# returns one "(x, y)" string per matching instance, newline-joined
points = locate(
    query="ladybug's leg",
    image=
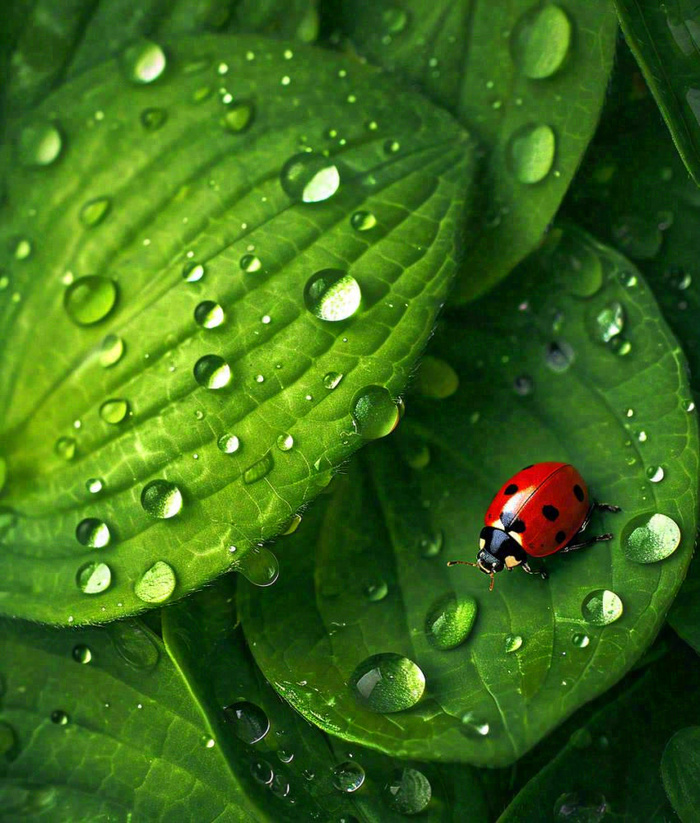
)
(528, 570)
(606, 507)
(591, 540)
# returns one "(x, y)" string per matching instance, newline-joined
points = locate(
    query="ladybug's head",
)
(494, 546)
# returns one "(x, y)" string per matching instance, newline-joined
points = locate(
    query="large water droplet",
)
(648, 538)
(153, 119)
(363, 221)
(156, 584)
(601, 607)
(581, 807)
(332, 294)
(81, 654)
(65, 447)
(114, 411)
(408, 791)
(387, 682)
(228, 443)
(93, 533)
(135, 645)
(143, 62)
(209, 314)
(39, 144)
(259, 566)
(261, 468)
(212, 372)
(450, 621)
(94, 578)
(436, 379)
(332, 379)
(239, 116)
(95, 211)
(348, 776)
(192, 272)
(250, 723)
(540, 41)
(531, 153)
(111, 350)
(310, 178)
(161, 499)
(374, 412)
(90, 299)
(285, 442)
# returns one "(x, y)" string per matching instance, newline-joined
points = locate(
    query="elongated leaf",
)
(680, 770)
(569, 361)
(97, 724)
(193, 305)
(664, 38)
(608, 771)
(529, 78)
(292, 770)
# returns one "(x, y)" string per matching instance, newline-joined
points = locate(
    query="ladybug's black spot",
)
(550, 512)
(517, 526)
(559, 537)
(511, 489)
(578, 491)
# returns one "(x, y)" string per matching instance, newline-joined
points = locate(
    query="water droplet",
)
(581, 739)
(279, 786)
(474, 726)
(21, 248)
(93, 577)
(332, 379)
(262, 772)
(209, 314)
(655, 473)
(387, 682)
(531, 152)
(294, 523)
(579, 807)
(192, 272)
(392, 146)
(601, 607)
(285, 442)
(649, 538)
(39, 144)
(111, 350)
(114, 410)
(580, 640)
(212, 372)
(93, 533)
(638, 237)
(540, 41)
(285, 756)
(332, 294)
(512, 643)
(59, 717)
(394, 20)
(261, 468)
(430, 545)
(559, 356)
(250, 723)
(608, 322)
(90, 299)
(250, 263)
(156, 584)
(161, 499)
(376, 591)
(374, 412)
(82, 654)
(348, 776)
(228, 443)
(259, 566)
(436, 379)
(143, 62)
(363, 221)
(239, 116)
(65, 447)
(450, 620)
(153, 119)
(95, 211)
(523, 385)
(309, 178)
(259, 378)
(408, 791)
(134, 644)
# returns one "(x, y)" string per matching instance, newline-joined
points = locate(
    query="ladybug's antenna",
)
(476, 566)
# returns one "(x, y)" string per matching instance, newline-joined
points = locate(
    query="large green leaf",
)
(182, 343)
(611, 767)
(665, 38)
(530, 78)
(568, 360)
(97, 724)
(292, 770)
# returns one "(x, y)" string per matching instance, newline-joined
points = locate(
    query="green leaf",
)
(664, 39)
(537, 381)
(610, 768)
(530, 79)
(97, 724)
(183, 344)
(303, 767)
(680, 770)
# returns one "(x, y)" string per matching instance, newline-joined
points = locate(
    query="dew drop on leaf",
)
(228, 443)
(531, 152)
(90, 299)
(512, 643)
(114, 411)
(39, 144)
(374, 412)
(387, 682)
(111, 350)
(93, 533)
(392, 146)
(156, 584)
(261, 468)
(248, 721)
(135, 646)
(65, 447)
(332, 295)
(430, 545)
(655, 473)
(348, 776)
(279, 786)
(143, 62)
(250, 263)
(649, 538)
(436, 379)
(474, 726)
(95, 211)
(192, 272)
(209, 315)
(81, 654)
(580, 640)
(161, 499)
(212, 372)
(540, 41)
(363, 221)
(309, 178)
(21, 248)
(408, 791)
(559, 356)
(259, 566)
(450, 621)
(376, 591)
(154, 118)
(601, 607)
(579, 807)
(332, 379)
(94, 578)
(59, 717)
(285, 442)
(608, 322)
(262, 772)
(239, 116)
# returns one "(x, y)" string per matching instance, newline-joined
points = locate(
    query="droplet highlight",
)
(601, 607)
(332, 295)
(309, 178)
(161, 499)
(212, 372)
(649, 538)
(156, 584)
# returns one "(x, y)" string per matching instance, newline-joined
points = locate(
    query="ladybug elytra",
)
(541, 510)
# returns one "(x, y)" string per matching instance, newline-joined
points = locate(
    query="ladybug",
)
(541, 510)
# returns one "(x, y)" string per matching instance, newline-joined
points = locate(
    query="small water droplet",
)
(93, 533)
(134, 644)
(655, 473)
(212, 372)
(153, 119)
(285, 756)
(114, 411)
(90, 299)
(540, 41)
(192, 272)
(374, 412)
(348, 776)
(156, 584)
(39, 144)
(392, 146)
(376, 591)
(430, 545)
(387, 682)
(285, 442)
(228, 443)
(161, 499)
(261, 468)
(531, 151)
(332, 295)
(95, 211)
(580, 640)
(523, 385)
(249, 722)
(21, 248)
(363, 221)
(608, 322)
(450, 621)
(209, 315)
(65, 447)
(649, 538)
(394, 19)
(310, 178)
(408, 791)
(638, 237)
(436, 379)
(82, 654)
(601, 607)
(111, 350)
(250, 263)
(59, 717)
(94, 578)
(474, 726)
(279, 786)
(332, 379)
(559, 356)
(239, 116)
(259, 566)
(143, 62)
(512, 643)
(262, 772)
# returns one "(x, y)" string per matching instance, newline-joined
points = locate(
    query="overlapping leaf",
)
(529, 78)
(155, 324)
(569, 360)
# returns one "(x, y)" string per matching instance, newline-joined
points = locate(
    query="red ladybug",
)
(540, 510)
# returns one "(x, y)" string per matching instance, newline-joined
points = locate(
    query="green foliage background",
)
(239, 241)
